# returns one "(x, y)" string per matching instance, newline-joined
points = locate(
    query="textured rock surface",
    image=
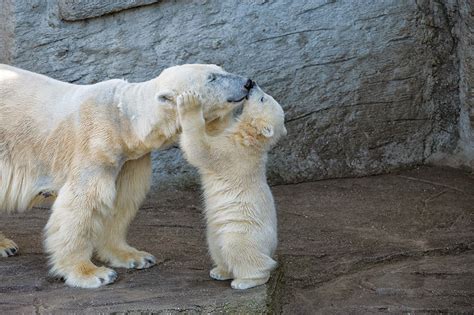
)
(6, 30)
(461, 13)
(466, 52)
(466, 68)
(368, 86)
(399, 243)
(73, 10)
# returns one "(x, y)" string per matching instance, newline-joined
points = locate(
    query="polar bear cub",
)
(239, 207)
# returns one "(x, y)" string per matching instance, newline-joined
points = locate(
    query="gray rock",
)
(169, 170)
(6, 30)
(367, 86)
(73, 10)
(461, 16)
(465, 35)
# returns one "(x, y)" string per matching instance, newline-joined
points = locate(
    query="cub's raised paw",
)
(243, 284)
(7, 247)
(188, 102)
(218, 273)
(87, 275)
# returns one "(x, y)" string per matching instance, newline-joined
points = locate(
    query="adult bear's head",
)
(151, 106)
(220, 91)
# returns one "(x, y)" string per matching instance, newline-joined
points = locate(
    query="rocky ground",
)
(384, 244)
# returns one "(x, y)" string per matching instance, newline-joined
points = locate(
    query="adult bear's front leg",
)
(133, 183)
(7, 246)
(76, 220)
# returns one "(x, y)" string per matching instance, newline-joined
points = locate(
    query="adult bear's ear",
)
(166, 97)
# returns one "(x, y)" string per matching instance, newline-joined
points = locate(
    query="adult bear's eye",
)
(211, 77)
(262, 99)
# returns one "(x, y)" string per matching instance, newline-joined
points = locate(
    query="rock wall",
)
(6, 30)
(461, 14)
(466, 58)
(367, 86)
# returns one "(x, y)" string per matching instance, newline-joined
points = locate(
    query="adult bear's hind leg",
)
(7, 247)
(133, 183)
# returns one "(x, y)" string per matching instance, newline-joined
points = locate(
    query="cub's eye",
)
(262, 99)
(211, 77)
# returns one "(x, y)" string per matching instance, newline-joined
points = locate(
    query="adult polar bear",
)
(90, 145)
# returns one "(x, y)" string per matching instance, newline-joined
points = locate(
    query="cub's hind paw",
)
(218, 273)
(243, 284)
(8, 248)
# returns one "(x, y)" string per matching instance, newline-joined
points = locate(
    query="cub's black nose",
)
(249, 84)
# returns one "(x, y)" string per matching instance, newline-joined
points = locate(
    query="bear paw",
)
(219, 273)
(129, 258)
(88, 275)
(7, 247)
(188, 102)
(243, 284)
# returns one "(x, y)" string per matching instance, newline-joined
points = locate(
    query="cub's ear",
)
(166, 97)
(267, 131)
(254, 131)
(263, 127)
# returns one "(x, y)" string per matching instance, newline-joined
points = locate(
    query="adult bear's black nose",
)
(249, 84)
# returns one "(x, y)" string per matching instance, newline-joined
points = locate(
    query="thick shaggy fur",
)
(90, 146)
(240, 211)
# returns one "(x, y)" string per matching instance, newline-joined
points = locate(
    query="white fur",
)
(240, 211)
(90, 145)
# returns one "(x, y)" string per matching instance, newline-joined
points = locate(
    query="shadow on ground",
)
(383, 244)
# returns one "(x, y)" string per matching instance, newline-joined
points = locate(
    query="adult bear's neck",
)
(152, 125)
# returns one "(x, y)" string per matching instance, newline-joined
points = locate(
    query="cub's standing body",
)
(239, 206)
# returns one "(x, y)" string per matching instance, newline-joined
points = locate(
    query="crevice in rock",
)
(292, 33)
(316, 8)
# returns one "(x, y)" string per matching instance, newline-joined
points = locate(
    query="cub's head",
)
(220, 91)
(262, 122)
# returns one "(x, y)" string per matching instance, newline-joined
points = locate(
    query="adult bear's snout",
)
(249, 85)
(244, 88)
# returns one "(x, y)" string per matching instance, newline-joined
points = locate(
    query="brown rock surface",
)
(384, 244)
